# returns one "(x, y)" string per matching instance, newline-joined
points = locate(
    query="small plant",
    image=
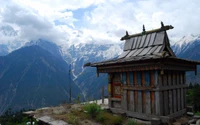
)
(197, 113)
(131, 122)
(100, 117)
(117, 120)
(73, 120)
(109, 119)
(78, 99)
(92, 109)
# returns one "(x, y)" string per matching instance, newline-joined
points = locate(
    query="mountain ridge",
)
(31, 77)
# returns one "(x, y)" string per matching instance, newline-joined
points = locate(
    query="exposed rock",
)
(176, 123)
(196, 117)
(192, 121)
(190, 113)
(198, 122)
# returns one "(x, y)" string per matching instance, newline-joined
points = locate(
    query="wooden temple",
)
(147, 80)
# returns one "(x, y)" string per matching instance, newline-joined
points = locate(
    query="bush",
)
(131, 122)
(92, 109)
(73, 120)
(100, 117)
(109, 119)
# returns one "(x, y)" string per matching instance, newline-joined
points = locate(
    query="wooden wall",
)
(151, 92)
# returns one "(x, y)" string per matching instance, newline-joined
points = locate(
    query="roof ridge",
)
(162, 28)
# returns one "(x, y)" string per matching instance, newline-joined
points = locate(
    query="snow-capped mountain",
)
(80, 54)
(187, 42)
(188, 48)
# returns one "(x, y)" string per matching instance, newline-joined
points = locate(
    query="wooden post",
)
(109, 89)
(132, 103)
(175, 100)
(102, 94)
(166, 102)
(170, 102)
(140, 101)
(159, 103)
(124, 100)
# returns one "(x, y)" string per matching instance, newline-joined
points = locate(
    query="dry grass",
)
(76, 115)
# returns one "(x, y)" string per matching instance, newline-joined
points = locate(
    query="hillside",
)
(31, 77)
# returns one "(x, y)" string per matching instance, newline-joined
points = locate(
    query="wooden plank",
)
(184, 78)
(128, 99)
(135, 78)
(154, 88)
(178, 99)
(109, 89)
(143, 78)
(136, 101)
(124, 100)
(127, 78)
(124, 78)
(175, 101)
(156, 78)
(143, 101)
(152, 78)
(131, 78)
(170, 102)
(160, 82)
(165, 79)
(169, 78)
(140, 101)
(174, 79)
(181, 78)
(147, 78)
(148, 103)
(182, 100)
(153, 110)
(159, 103)
(184, 97)
(177, 78)
(131, 104)
(166, 103)
(139, 79)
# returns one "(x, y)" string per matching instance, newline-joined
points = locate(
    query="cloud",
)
(91, 21)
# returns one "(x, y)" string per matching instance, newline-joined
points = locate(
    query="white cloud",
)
(106, 22)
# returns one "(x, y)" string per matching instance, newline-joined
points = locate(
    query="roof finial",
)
(127, 33)
(143, 28)
(162, 25)
(143, 32)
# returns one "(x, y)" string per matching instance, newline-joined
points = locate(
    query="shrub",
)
(73, 120)
(197, 113)
(92, 109)
(131, 122)
(100, 117)
(109, 119)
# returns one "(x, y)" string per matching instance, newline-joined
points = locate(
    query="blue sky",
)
(94, 21)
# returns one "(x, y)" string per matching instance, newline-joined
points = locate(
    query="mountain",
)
(188, 48)
(86, 78)
(48, 46)
(79, 54)
(76, 55)
(31, 77)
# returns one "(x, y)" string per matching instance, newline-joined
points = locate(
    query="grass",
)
(89, 113)
(131, 122)
(197, 113)
(72, 119)
(109, 119)
(92, 109)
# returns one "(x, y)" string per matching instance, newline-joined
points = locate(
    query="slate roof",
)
(151, 44)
